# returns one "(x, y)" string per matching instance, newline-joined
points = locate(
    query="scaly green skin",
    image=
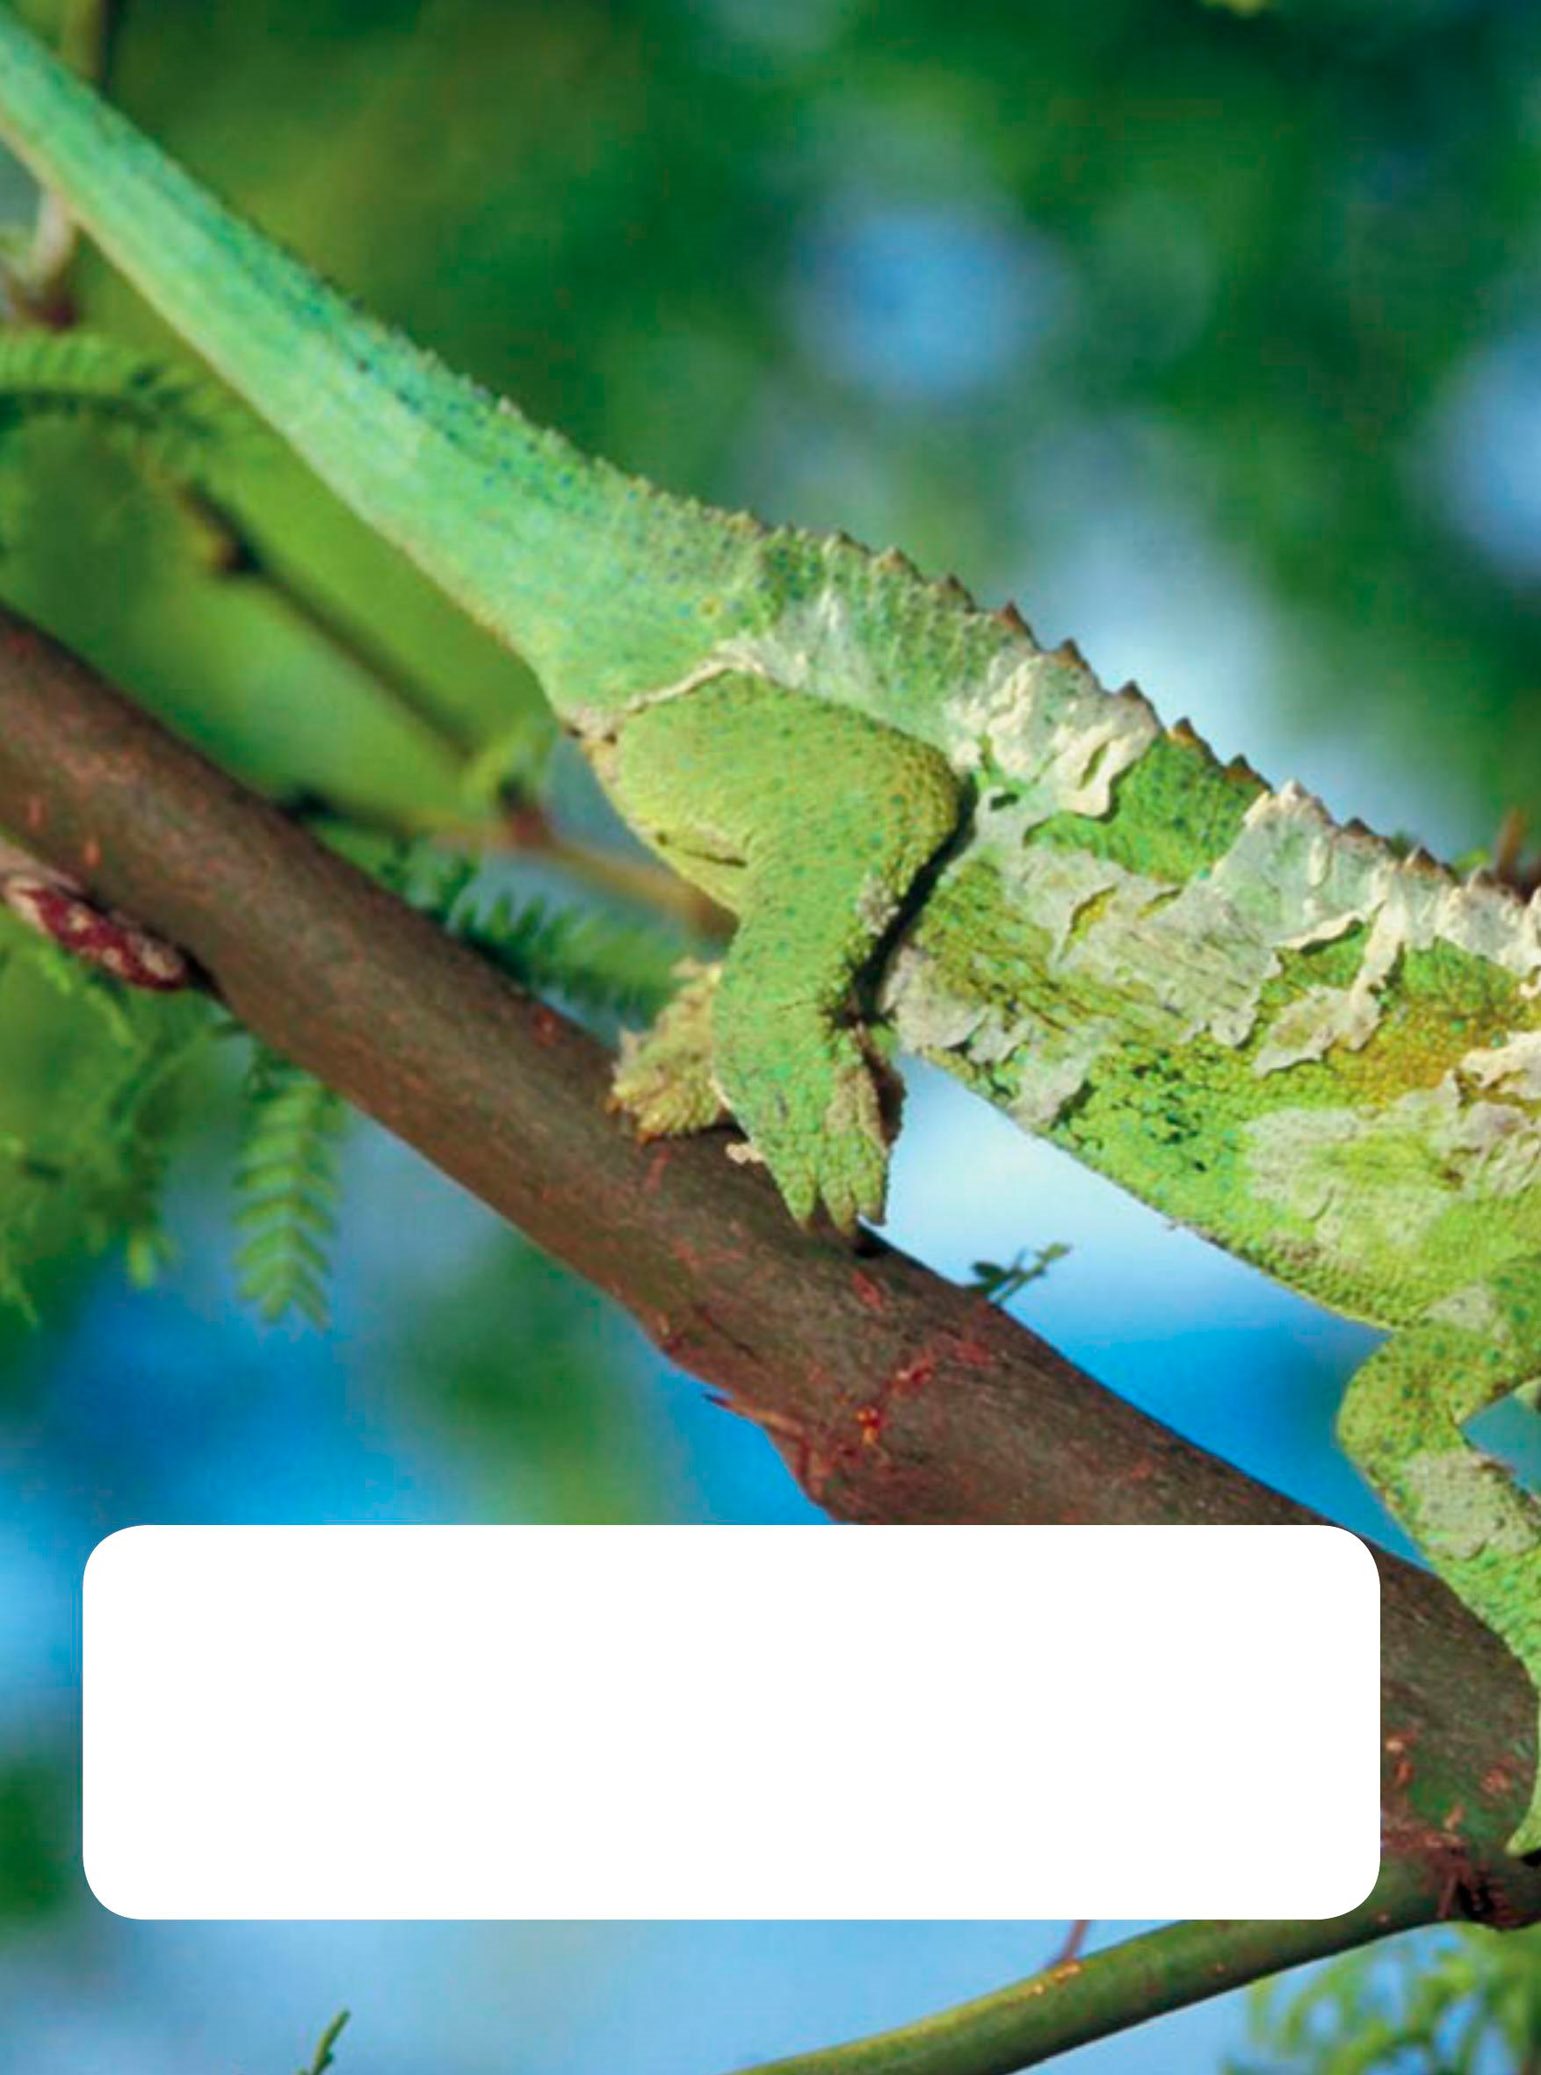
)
(1323, 1055)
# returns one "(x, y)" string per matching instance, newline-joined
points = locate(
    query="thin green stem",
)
(528, 829)
(85, 30)
(224, 547)
(41, 286)
(324, 2057)
(1076, 2001)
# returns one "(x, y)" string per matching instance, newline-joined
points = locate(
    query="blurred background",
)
(1215, 342)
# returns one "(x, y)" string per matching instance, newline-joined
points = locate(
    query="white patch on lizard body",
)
(875, 903)
(815, 646)
(929, 1017)
(1369, 1184)
(1047, 1063)
(1178, 960)
(1060, 740)
(1461, 1511)
(1059, 884)
(1195, 958)
(1321, 1017)
(1324, 880)
(1300, 1162)
(1053, 1068)
(1473, 1309)
(1512, 1069)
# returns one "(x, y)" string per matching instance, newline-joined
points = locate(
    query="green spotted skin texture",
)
(1321, 1053)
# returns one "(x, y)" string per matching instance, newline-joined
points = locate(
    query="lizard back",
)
(1319, 1050)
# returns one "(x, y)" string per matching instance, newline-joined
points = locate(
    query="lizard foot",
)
(821, 1113)
(663, 1081)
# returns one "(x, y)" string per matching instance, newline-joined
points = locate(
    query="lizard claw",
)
(821, 1117)
(663, 1080)
(815, 1099)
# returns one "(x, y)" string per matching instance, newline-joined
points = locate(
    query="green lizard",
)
(1322, 1053)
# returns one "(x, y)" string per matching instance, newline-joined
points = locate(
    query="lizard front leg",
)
(1402, 1423)
(811, 823)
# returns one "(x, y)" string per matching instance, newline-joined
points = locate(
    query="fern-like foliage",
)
(606, 967)
(615, 970)
(90, 1107)
(1457, 2001)
(172, 420)
(287, 1181)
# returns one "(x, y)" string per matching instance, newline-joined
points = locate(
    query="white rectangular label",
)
(731, 1722)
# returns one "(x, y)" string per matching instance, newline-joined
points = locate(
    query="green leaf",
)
(1000, 1283)
(287, 1183)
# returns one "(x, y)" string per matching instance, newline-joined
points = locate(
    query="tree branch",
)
(893, 1395)
(1076, 2001)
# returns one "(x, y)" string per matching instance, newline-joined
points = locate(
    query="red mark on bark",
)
(867, 1291)
(870, 1421)
(872, 1418)
(657, 1163)
(91, 855)
(912, 1377)
(545, 1027)
(1399, 1748)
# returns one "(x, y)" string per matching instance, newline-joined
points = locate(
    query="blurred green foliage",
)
(88, 1102)
(1456, 2001)
(37, 1837)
